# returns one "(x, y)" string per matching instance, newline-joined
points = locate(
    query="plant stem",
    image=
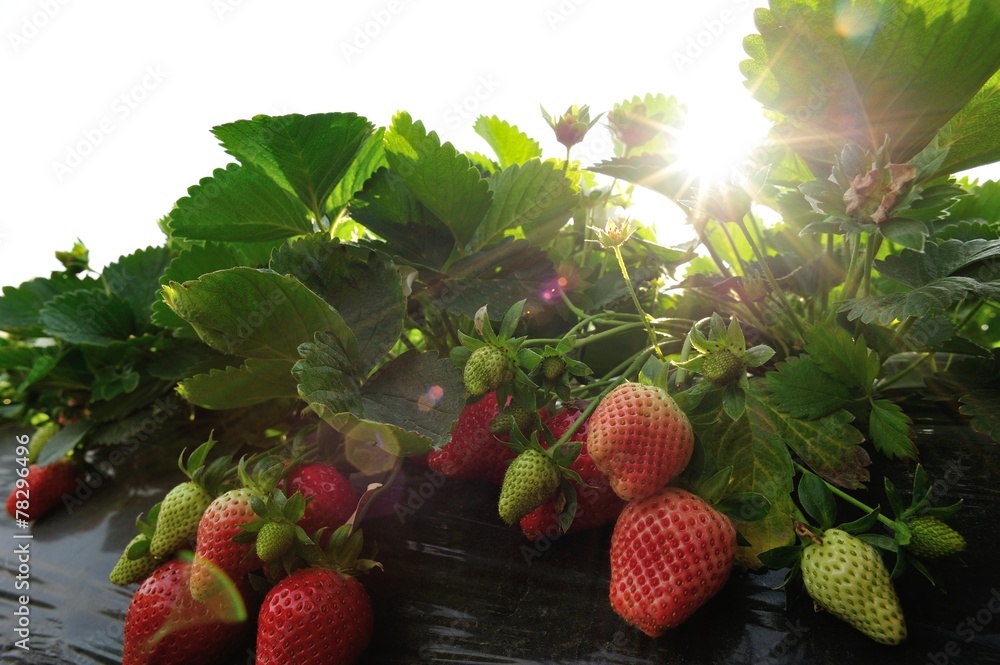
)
(778, 291)
(635, 300)
(703, 239)
(870, 251)
(637, 364)
(891, 523)
(882, 385)
(971, 315)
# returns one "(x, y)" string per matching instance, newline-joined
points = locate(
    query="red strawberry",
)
(164, 625)
(331, 499)
(217, 553)
(670, 553)
(41, 490)
(472, 451)
(314, 616)
(597, 504)
(640, 439)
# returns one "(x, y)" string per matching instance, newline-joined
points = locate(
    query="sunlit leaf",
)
(439, 176)
(856, 72)
(255, 313)
(307, 155)
(511, 145)
(240, 204)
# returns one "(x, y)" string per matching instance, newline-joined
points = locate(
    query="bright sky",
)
(110, 104)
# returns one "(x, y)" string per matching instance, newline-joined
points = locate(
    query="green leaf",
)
(930, 299)
(862, 524)
(664, 113)
(407, 407)
(307, 155)
(89, 317)
(879, 541)
(817, 500)
(136, 278)
(200, 260)
(256, 313)
(937, 261)
(241, 204)
(752, 446)
(734, 401)
(745, 506)
(111, 382)
(906, 232)
(362, 284)
(386, 207)
(63, 441)
(972, 135)
(714, 487)
(802, 390)
(655, 172)
(781, 557)
(254, 382)
(889, 428)
(847, 360)
(370, 158)
(856, 73)
(532, 196)
(498, 276)
(983, 406)
(511, 145)
(830, 445)
(439, 176)
(326, 378)
(20, 306)
(511, 319)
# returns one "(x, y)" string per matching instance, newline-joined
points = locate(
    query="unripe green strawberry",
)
(932, 538)
(511, 417)
(530, 481)
(722, 367)
(273, 540)
(38, 440)
(129, 571)
(487, 369)
(180, 513)
(847, 577)
(553, 367)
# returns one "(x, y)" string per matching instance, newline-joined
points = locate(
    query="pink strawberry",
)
(217, 553)
(473, 451)
(42, 489)
(164, 625)
(331, 499)
(640, 439)
(670, 553)
(597, 504)
(315, 616)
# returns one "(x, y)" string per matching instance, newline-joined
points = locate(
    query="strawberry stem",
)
(891, 523)
(635, 300)
(639, 361)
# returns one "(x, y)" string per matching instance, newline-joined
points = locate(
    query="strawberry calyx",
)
(492, 362)
(211, 478)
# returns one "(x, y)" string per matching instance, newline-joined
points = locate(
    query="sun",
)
(717, 141)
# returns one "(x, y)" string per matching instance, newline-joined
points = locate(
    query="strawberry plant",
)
(340, 297)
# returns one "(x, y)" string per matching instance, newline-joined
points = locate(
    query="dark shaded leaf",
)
(254, 382)
(360, 283)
